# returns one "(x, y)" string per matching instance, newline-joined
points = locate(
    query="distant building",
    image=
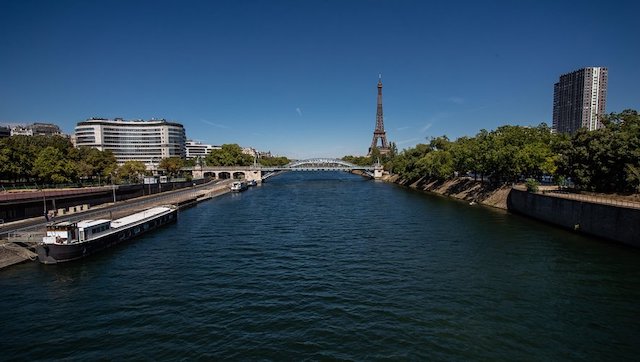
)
(197, 149)
(5, 131)
(136, 140)
(262, 154)
(36, 129)
(21, 131)
(250, 151)
(45, 129)
(579, 99)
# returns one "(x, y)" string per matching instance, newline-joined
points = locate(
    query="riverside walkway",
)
(593, 198)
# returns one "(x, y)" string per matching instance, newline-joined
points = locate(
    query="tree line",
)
(232, 155)
(603, 160)
(54, 160)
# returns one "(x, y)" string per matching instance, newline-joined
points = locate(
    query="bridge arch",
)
(239, 175)
(326, 162)
(224, 175)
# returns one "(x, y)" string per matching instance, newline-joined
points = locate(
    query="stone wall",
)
(606, 221)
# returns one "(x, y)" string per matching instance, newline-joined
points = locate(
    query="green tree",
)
(52, 166)
(274, 161)
(132, 171)
(359, 160)
(172, 165)
(605, 159)
(229, 155)
(91, 163)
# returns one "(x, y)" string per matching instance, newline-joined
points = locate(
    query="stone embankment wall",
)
(460, 188)
(611, 222)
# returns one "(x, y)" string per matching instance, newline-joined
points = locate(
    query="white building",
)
(250, 151)
(36, 129)
(21, 131)
(199, 149)
(137, 140)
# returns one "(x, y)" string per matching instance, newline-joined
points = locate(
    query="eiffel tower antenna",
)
(379, 133)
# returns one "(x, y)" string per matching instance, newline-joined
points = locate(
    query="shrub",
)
(532, 184)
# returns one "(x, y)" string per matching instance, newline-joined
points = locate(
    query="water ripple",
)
(325, 266)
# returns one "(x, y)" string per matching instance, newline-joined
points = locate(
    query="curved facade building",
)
(138, 140)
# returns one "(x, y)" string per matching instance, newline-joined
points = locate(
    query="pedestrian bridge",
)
(260, 173)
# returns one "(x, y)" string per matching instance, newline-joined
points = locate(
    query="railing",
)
(597, 199)
(43, 193)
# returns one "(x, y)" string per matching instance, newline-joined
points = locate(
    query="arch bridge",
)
(260, 173)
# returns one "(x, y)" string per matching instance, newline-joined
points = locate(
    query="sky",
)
(298, 78)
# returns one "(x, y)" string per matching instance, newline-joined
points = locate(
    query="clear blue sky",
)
(299, 77)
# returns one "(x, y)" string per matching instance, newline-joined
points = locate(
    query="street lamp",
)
(44, 202)
(113, 188)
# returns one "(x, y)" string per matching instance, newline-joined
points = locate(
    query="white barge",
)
(67, 241)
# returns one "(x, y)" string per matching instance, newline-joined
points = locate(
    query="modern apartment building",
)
(579, 99)
(199, 149)
(135, 140)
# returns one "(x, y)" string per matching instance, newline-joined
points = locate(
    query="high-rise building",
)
(137, 140)
(579, 99)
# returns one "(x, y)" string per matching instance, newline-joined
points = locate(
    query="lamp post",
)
(113, 188)
(44, 202)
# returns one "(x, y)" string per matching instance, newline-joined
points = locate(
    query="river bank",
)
(459, 188)
(610, 217)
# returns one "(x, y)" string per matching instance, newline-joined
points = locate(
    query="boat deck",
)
(131, 219)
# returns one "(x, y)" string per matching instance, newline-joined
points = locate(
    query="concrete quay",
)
(18, 238)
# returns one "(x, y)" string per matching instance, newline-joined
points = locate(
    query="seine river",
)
(332, 266)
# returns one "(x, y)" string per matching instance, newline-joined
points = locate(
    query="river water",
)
(332, 266)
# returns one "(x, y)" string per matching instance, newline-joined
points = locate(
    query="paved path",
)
(596, 199)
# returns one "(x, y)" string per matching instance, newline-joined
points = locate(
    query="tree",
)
(606, 159)
(132, 171)
(274, 161)
(172, 165)
(358, 160)
(51, 165)
(229, 155)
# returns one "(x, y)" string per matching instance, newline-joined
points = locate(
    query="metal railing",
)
(597, 199)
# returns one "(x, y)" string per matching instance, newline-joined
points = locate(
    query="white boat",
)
(238, 186)
(67, 241)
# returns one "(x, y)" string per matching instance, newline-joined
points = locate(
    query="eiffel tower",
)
(379, 133)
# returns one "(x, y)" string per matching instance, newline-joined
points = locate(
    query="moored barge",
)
(66, 241)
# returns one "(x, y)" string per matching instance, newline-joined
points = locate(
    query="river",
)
(332, 266)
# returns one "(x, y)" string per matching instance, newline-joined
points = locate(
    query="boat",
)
(252, 183)
(238, 186)
(66, 241)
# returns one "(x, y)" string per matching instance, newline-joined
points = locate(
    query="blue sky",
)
(299, 77)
